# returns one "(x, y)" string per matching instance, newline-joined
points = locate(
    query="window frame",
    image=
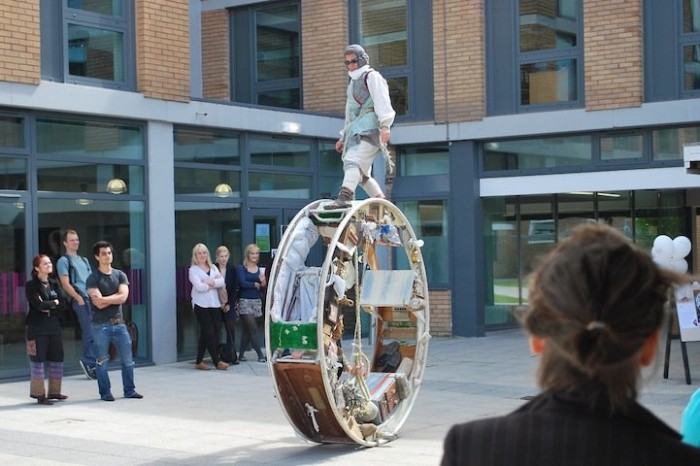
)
(244, 85)
(418, 70)
(55, 18)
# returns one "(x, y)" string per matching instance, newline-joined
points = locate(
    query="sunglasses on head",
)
(350, 62)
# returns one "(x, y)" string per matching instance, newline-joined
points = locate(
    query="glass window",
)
(621, 147)
(89, 139)
(89, 177)
(203, 146)
(282, 185)
(12, 133)
(548, 25)
(212, 224)
(102, 7)
(574, 209)
(667, 144)
(550, 51)
(417, 161)
(95, 53)
(277, 55)
(537, 153)
(429, 219)
(98, 43)
(277, 42)
(13, 173)
(383, 32)
(691, 16)
(548, 82)
(207, 183)
(691, 67)
(383, 29)
(279, 154)
(13, 276)
(615, 209)
(502, 264)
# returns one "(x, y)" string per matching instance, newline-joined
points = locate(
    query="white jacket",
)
(202, 294)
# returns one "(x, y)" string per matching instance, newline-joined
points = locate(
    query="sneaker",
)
(108, 397)
(86, 369)
(92, 372)
(134, 395)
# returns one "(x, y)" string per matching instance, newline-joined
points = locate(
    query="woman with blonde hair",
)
(596, 308)
(229, 313)
(206, 279)
(252, 282)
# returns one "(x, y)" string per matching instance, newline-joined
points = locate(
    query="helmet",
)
(362, 57)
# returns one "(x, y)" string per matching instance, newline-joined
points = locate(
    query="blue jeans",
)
(104, 334)
(85, 321)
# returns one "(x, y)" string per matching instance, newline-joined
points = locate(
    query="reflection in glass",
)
(12, 132)
(691, 16)
(667, 144)
(13, 276)
(102, 7)
(547, 25)
(691, 67)
(574, 209)
(398, 93)
(430, 222)
(95, 53)
(89, 139)
(330, 158)
(501, 259)
(284, 98)
(213, 224)
(277, 42)
(383, 32)
(549, 152)
(281, 185)
(426, 160)
(620, 147)
(202, 182)
(204, 146)
(80, 177)
(276, 153)
(13, 173)
(548, 82)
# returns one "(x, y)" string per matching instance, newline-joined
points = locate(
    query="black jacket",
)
(551, 430)
(43, 316)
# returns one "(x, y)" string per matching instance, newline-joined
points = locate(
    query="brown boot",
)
(343, 201)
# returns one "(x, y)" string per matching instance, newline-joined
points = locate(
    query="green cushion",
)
(297, 335)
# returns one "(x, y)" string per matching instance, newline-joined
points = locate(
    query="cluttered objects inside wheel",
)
(347, 337)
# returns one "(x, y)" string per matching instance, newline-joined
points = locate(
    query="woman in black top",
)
(596, 307)
(44, 340)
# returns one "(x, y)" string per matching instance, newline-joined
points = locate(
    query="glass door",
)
(13, 276)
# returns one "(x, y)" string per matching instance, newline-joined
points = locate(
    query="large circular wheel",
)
(347, 340)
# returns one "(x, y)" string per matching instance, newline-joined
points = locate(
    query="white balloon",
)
(681, 247)
(663, 247)
(679, 265)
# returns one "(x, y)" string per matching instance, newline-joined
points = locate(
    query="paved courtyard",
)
(190, 417)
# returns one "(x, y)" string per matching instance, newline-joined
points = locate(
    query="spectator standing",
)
(229, 313)
(206, 279)
(252, 282)
(108, 289)
(44, 340)
(73, 271)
